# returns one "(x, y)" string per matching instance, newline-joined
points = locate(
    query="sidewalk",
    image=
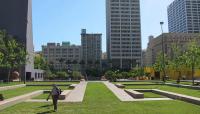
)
(15, 100)
(120, 93)
(78, 93)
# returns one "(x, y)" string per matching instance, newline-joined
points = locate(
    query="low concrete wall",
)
(193, 100)
(143, 84)
(135, 94)
(72, 86)
(12, 87)
(64, 94)
(184, 86)
(120, 85)
(15, 100)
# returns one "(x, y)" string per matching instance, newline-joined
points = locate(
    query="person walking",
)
(55, 92)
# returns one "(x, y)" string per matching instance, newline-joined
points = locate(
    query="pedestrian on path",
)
(55, 92)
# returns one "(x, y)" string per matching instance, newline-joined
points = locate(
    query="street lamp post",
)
(163, 53)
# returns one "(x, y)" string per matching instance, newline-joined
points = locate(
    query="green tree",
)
(40, 62)
(13, 54)
(110, 75)
(193, 57)
(125, 75)
(1, 57)
(159, 65)
(76, 75)
(177, 61)
(62, 75)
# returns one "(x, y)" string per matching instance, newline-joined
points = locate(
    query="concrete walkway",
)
(12, 87)
(15, 100)
(77, 94)
(120, 93)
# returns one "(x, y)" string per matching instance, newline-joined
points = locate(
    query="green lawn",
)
(51, 83)
(99, 100)
(152, 95)
(20, 91)
(186, 91)
(43, 96)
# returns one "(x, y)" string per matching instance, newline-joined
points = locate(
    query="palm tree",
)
(61, 61)
(75, 62)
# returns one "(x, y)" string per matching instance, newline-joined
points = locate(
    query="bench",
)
(120, 85)
(134, 94)
(64, 94)
(72, 86)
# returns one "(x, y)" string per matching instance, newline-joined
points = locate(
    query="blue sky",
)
(62, 20)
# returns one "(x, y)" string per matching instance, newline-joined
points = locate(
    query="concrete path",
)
(15, 100)
(77, 94)
(120, 93)
(12, 87)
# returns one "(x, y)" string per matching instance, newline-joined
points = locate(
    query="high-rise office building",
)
(16, 19)
(123, 33)
(91, 49)
(184, 16)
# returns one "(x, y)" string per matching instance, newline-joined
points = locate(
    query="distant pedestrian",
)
(55, 92)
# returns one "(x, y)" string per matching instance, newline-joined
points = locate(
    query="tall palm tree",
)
(61, 61)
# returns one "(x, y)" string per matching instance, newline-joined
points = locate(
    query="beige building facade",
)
(63, 56)
(182, 40)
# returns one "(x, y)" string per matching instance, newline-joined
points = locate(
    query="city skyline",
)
(46, 19)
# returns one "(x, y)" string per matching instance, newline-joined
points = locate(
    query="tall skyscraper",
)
(91, 49)
(123, 33)
(184, 16)
(16, 19)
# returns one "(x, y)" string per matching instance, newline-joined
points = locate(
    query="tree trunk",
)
(179, 77)
(193, 74)
(9, 72)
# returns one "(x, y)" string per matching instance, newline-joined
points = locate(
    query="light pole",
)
(163, 53)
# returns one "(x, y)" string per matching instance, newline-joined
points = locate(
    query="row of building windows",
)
(39, 75)
(125, 55)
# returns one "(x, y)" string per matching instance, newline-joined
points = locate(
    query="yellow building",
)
(172, 74)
